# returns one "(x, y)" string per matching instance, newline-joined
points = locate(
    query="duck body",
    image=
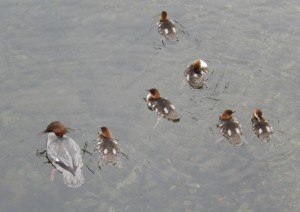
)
(166, 27)
(107, 146)
(195, 73)
(260, 126)
(163, 107)
(64, 154)
(230, 128)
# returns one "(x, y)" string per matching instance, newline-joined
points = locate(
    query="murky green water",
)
(88, 63)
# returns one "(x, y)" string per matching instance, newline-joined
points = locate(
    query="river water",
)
(88, 63)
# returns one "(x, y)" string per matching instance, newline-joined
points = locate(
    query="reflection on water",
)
(89, 63)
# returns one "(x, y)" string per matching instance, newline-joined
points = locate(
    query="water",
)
(88, 64)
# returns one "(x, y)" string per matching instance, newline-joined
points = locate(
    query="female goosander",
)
(167, 27)
(163, 107)
(260, 126)
(107, 146)
(64, 154)
(195, 73)
(230, 127)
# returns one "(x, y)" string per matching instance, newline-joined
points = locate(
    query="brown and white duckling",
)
(163, 107)
(230, 127)
(64, 154)
(107, 146)
(167, 27)
(260, 126)
(195, 73)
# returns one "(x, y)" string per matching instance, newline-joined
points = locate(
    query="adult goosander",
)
(64, 154)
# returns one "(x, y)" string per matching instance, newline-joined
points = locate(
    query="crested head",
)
(199, 64)
(257, 113)
(105, 132)
(154, 94)
(196, 64)
(163, 16)
(226, 115)
(57, 127)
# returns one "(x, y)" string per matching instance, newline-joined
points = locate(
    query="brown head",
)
(196, 64)
(105, 133)
(163, 16)
(56, 127)
(226, 115)
(257, 113)
(154, 93)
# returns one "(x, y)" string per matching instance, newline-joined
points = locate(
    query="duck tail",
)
(73, 180)
(236, 140)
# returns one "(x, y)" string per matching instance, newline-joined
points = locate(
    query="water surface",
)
(88, 63)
